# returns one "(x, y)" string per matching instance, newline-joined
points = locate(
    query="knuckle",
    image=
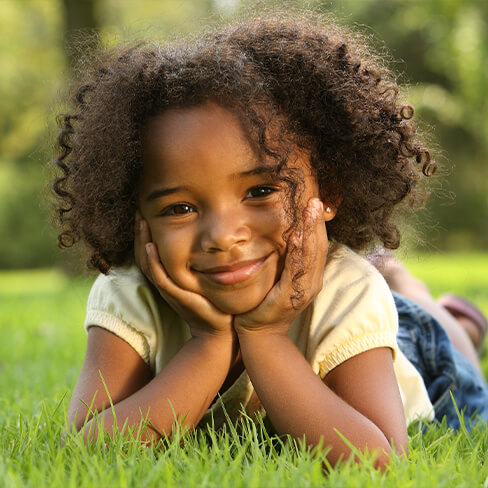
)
(147, 273)
(147, 270)
(315, 291)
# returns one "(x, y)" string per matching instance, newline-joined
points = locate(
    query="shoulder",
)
(354, 311)
(349, 273)
(130, 273)
(343, 261)
(124, 302)
(123, 292)
(123, 280)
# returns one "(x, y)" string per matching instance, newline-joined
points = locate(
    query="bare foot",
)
(469, 317)
(471, 328)
(464, 332)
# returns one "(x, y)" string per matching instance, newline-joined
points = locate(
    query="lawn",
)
(42, 348)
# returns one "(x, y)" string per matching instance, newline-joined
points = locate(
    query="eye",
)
(178, 209)
(260, 191)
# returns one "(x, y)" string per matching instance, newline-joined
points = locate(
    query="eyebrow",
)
(162, 192)
(259, 170)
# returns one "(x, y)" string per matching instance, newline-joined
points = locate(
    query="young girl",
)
(219, 186)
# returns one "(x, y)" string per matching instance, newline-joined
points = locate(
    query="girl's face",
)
(216, 213)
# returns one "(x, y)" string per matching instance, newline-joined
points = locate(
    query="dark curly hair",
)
(330, 95)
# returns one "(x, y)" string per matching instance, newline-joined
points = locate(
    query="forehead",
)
(208, 143)
(179, 138)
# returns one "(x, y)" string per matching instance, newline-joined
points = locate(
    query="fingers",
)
(148, 260)
(156, 273)
(195, 309)
(301, 278)
(315, 244)
(307, 254)
(142, 236)
(315, 241)
(155, 269)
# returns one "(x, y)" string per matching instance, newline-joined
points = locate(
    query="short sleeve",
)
(122, 302)
(353, 313)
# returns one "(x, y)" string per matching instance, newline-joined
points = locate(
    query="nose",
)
(223, 230)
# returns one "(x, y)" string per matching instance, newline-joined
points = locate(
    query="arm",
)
(122, 368)
(187, 385)
(362, 402)
(359, 398)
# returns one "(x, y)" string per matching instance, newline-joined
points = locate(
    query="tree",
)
(80, 18)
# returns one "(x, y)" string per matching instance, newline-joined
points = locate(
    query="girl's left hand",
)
(294, 291)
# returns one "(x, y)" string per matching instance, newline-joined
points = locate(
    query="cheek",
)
(173, 251)
(311, 189)
(275, 224)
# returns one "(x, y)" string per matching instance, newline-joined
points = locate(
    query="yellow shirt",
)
(353, 313)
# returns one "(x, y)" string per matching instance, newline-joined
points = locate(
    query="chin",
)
(237, 305)
(243, 297)
(236, 309)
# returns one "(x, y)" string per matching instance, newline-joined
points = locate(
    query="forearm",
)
(300, 404)
(183, 389)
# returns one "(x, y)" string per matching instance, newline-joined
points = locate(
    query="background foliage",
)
(439, 47)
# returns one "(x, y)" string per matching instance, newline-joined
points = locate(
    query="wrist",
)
(244, 330)
(214, 334)
(221, 340)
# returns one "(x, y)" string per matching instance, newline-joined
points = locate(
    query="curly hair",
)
(333, 98)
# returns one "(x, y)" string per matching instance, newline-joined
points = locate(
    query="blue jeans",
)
(444, 370)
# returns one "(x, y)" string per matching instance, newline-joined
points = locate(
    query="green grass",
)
(41, 351)
(465, 274)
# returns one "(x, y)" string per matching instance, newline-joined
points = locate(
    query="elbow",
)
(382, 459)
(74, 429)
(379, 453)
(397, 446)
(74, 426)
(87, 426)
(389, 446)
(78, 418)
(101, 429)
(384, 453)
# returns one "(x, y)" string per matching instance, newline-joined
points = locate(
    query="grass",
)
(41, 351)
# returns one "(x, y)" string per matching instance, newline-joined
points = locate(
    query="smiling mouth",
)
(231, 275)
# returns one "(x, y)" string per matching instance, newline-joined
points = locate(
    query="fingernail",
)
(317, 205)
(297, 237)
(141, 225)
(149, 248)
(316, 208)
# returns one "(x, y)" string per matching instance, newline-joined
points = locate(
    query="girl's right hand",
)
(198, 312)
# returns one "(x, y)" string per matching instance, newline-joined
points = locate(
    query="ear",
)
(330, 208)
(329, 212)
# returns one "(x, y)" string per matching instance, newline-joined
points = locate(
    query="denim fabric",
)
(425, 343)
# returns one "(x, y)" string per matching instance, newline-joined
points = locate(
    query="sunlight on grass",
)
(463, 274)
(32, 281)
(451, 270)
(41, 318)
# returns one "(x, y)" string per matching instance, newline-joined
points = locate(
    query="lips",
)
(235, 273)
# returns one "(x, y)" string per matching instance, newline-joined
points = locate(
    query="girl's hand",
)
(199, 313)
(294, 291)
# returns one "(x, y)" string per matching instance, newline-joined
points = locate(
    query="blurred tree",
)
(442, 46)
(37, 45)
(32, 60)
(79, 17)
